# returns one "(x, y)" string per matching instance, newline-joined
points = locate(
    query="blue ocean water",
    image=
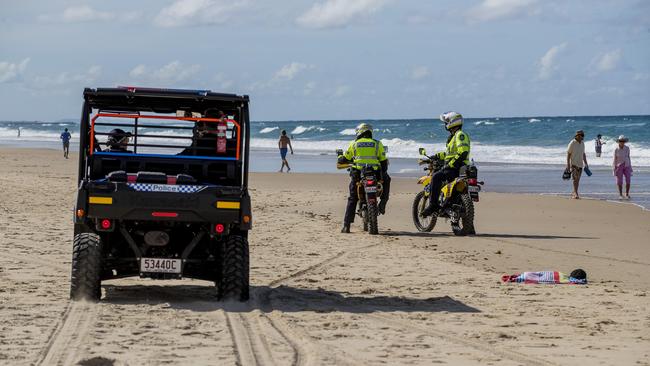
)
(524, 154)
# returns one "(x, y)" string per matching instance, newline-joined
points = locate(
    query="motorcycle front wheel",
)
(423, 224)
(464, 226)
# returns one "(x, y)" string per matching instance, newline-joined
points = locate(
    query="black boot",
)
(346, 228)
(429, 210)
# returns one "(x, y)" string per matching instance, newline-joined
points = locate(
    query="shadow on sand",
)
(282, 298)
(481, 235)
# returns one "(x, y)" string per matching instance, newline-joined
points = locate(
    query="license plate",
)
(370, 189)
(473, 189)
(160, 265)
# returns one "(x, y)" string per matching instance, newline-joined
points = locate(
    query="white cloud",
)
(65, 78)
(84, 14)
(78, 14)
(309, 88)
(289, 71)
(490, 10)
(197, 12)
(173, 72)
(548, 63)
(138, 71)
(608, 61)
(341, 90)
(420, 72)
(11, 71)
(338, 13)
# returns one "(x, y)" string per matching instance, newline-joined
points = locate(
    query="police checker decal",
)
(148, 187)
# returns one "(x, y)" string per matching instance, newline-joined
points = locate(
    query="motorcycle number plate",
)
(160, 265)
(473, 189)
(371, 189)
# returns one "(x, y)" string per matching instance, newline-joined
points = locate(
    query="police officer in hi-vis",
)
(364, 150)
(456, 156)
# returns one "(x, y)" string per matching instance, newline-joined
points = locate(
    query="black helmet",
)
(118, 138)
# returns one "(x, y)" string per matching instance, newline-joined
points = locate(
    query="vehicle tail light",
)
(164, 214)
(472, 182)
(106, 224)
(81, 213)
(219, 228)
(370, 182)
(247, 219)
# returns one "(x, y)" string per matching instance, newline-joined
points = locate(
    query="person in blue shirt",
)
(65, 137)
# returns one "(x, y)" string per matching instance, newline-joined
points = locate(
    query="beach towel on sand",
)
(547, 277)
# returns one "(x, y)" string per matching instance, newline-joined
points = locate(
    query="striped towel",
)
(543, 277)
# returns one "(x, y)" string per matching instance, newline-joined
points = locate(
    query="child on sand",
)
(282, 144)
(622, 166)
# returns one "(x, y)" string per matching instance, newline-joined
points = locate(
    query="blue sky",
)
(334, 59)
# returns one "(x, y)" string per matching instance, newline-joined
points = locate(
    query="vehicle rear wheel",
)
(373, 228)
(233, 284)
(85, 280)
(423, 224)
(363, 208)
(465, 225)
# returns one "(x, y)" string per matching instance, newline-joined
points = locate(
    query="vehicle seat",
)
(117, 176)
(185, 179)
(151, 177)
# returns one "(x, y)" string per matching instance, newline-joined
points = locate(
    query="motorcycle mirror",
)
(423, 151)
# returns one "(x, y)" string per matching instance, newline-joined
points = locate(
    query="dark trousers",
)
(440, 176)
(351, 207)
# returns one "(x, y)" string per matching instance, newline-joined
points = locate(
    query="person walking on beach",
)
(599, 145)
(283, 142)
(65, 137)
(576, 160)
(18, 132)
(622, 166)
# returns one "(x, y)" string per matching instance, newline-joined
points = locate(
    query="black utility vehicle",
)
(163, 189)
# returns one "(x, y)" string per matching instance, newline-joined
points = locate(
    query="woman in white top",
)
(622, 166)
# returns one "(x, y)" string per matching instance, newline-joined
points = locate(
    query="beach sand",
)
(325, 298)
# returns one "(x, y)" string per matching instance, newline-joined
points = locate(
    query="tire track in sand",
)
(403, 324)
(250, 345)
(65, 342)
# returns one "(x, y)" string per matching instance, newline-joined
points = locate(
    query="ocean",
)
(514, 154)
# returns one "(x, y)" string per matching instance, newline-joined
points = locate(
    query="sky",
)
(334, 59)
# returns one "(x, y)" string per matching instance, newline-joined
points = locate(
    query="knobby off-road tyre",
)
(465, 226)
(234, 270)
(85, 280)
(423, 224)
(364, 216)
(373, 228)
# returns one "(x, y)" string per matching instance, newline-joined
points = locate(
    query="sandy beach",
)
(324, 298)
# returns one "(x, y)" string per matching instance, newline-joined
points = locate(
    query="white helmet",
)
(451, 120)
(363, 128)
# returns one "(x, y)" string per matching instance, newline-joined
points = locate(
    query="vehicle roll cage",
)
(132, 101)
(135, 126)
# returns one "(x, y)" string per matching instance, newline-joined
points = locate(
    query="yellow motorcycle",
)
(456, 200)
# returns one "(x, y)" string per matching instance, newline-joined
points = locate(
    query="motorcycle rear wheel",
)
(363, 209)
(423, 224)
(373, 228)
(465, 226)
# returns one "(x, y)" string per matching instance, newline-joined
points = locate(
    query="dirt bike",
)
(369, 189)
(456, 199)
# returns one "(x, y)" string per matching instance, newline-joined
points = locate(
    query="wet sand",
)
(325, 298)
